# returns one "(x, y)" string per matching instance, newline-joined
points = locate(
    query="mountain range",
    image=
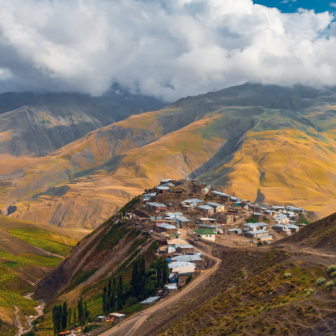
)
(264, 143)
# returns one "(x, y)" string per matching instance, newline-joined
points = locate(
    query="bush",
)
(330, 285)
(288, 275)
(29, 333)
(333, 274)
(89, 328)
(320, 281)
(130, 302)
(309, 291)
(188, 279)
(331, 268)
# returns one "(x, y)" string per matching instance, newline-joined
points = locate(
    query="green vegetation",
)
(80, 277)
(320, 281)
(112, 237)
(128, 206)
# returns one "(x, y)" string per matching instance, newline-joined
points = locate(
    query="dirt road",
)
(130, 325)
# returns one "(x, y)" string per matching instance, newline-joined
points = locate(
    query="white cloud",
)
(166, 48)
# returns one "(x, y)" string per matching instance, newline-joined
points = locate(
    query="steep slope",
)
(264, 143)
(35, 125)
(28, 252)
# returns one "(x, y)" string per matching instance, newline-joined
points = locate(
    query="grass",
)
(80, 277)
(39, 238)
(136, 307)
(112, 237)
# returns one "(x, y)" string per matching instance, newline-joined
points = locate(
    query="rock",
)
(9, 210)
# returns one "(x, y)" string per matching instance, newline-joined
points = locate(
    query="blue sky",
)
(290, 6)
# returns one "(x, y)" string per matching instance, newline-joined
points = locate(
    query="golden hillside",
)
(268, 143)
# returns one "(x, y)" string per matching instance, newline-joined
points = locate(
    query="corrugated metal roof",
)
(151, 299)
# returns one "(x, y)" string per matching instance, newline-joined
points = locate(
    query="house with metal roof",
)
(182, 221)
(150, 301)
(206, 209)
(176, 264)
(255, 226)
(187, 258)
(165, 181)
(234, 230)
(191, 203)
(156, 206)
(288, 228)
(217, 207)
(162, 189)
(166, 228)
(256, 234)
(207, 234)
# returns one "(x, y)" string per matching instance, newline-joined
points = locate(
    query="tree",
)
(120, 291)
(142, 273)
(165, 271)
(113, 296)
(65, 315)
(104, 299)
(69, 316)
(75, 316)
(54, 318)
(59, 319)
(135, 277)
(80, 307)
(124, 212)
(1, 322)
(109, 292)
(158, 271)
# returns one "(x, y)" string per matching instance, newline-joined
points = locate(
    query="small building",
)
(217, 207)
(206, 209)
(258, 216)
(150, 301)
(256, 234)
(224, 197)
(171, 288)
(166, 228)
(182, 221)
(173, 277)
(165, 181)
(265, 238)
(184, 249)
(191, 203)
(234, 230)
(162, 189)
(206, 220)
(213, 227)
(158, 207)
(101, 319)
(207, 234)
(288, 229)
(255, 226)
(175, 243)
(116, 316)
(229, 218)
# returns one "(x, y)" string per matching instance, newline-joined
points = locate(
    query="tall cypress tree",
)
(65, 315)
(59, 319)
(120, 292)
(69, 316)
(55, 318)
(113, 294)
(109, 291)
(135, 277)
(142, 273)
(158, 271)
(104, 300)
(80, 310)
(165, 271)
(75, 316)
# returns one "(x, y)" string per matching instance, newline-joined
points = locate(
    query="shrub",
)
(288, 275)
(320, 281)
(188, 279)
(309, 291)
(330, 285)
(333, 274)
(331, 268)
(89, 328)
(130, 302)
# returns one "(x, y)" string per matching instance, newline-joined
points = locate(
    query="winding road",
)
(129, 326)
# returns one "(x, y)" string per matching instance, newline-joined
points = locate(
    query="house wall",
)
(209, 237)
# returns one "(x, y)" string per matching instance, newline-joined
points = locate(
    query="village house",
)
(148, 196)
(171, 288)
(207, 234)
(173, 244)
(255, 226)
(217, 207)
(182, 221)
(234, 230)
(255, 233)
(281, 219)
(224, 218)
(267, 237)
(213, 227)
(223, 197)
(258, 216)
(162, 189)
(157, 207)
(287, 229)
(166, 228)
(185, 249)
(191, 203)
(206, 209)
(206, 220)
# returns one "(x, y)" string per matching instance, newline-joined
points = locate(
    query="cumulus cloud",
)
(165, 48)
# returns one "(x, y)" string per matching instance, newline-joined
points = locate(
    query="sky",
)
(164, 48)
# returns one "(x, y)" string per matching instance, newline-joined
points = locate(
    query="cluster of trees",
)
(63, 316)
(144, 283)
(112, 295)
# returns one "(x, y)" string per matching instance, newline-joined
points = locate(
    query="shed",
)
(171, 287)
(150, 301)
(116, 316)
(101, 319)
